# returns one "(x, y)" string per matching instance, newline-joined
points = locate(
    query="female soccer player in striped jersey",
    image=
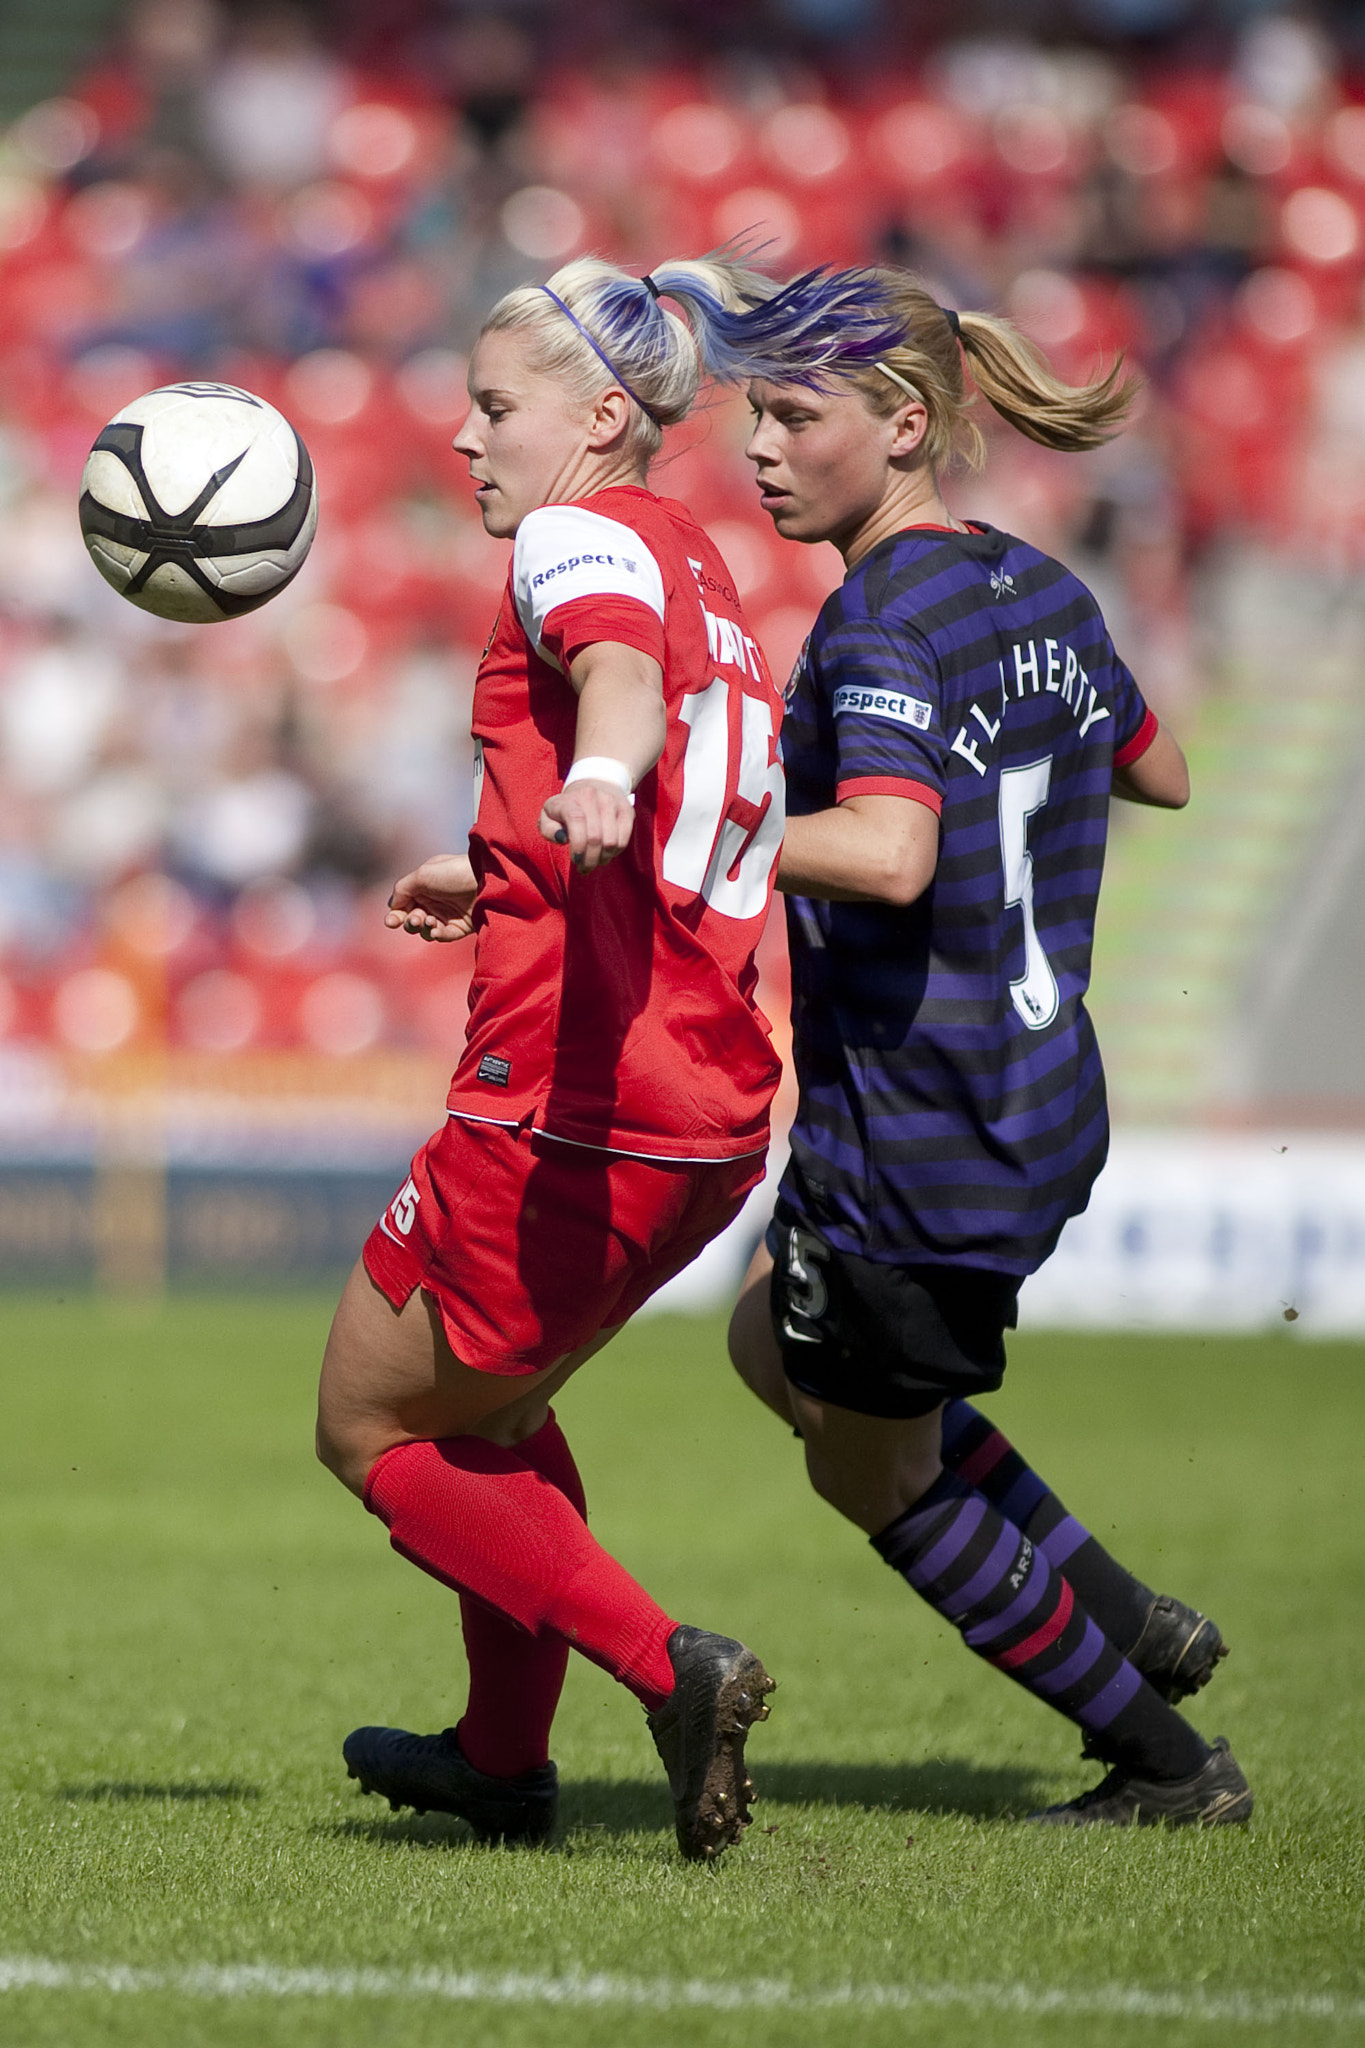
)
(955, 728)
(610, 1112)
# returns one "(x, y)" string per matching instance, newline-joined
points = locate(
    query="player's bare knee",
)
(327, 1450)
(826, 1479)
(917, 1474)
(837, 1481)
(343, 1455)
(919, 1455)
(735, 1334)
(749, 1327)
(512, 1425)
(752, 1345)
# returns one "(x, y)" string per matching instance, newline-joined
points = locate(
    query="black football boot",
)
(1218, 1795)
(699, 1732)
(1179, 1649)
(431, 1774)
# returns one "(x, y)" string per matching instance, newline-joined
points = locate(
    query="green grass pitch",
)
(192, 1615)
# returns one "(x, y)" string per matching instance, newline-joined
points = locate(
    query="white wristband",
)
(601, 768)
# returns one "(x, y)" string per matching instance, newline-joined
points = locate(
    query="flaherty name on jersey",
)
(1033, 667)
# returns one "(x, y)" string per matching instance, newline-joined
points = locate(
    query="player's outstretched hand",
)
(592, 819)
(436, 901)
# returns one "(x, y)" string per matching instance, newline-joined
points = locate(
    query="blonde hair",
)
(1011, 373)
(660, 360)
(593, 325)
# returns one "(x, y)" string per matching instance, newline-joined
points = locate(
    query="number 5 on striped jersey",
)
(1022, 792)
(724, 852)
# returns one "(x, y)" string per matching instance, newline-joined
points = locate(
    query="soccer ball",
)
(198, 502)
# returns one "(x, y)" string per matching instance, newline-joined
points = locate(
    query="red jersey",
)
(616, 1009)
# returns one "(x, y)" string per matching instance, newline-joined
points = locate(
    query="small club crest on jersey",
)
(1002, 582)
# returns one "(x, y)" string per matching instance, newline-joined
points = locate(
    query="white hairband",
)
(906, 386)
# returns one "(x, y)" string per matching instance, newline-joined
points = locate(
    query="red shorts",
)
(530, 1246)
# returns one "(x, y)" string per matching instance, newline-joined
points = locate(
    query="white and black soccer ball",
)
(198, 502)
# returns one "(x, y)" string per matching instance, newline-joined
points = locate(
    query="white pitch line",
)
(671, 1994)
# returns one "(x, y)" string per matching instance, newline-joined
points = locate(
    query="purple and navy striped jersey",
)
(952, 1106)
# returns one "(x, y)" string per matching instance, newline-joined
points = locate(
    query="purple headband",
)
(602, 356)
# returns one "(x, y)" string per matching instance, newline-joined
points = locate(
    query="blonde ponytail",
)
(1011, 373)
(1017, 381)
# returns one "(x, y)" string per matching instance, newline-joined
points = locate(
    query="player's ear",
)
(610, 418)
(911, 425)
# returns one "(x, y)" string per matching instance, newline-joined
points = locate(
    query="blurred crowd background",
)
(198, 826)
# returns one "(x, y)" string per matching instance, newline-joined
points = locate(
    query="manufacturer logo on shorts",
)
(492, 1069)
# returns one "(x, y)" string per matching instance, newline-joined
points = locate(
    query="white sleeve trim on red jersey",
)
(564, 552)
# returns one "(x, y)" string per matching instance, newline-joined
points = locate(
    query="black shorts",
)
(881, 1339)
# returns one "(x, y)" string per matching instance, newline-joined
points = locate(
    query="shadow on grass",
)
(632, 1806)
(943, 1785)
(187, 1792)
(405, 1831)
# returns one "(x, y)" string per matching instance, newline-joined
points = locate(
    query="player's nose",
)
(466, 441)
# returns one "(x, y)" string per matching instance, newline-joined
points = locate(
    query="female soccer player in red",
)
(610, 1113)
(955, 729)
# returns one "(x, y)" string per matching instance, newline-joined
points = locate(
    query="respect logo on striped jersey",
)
(884, 704)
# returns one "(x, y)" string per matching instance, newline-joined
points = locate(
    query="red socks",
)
(490, 1523)
(514, 1679)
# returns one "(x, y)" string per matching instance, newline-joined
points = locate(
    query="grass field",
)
(194, 1615)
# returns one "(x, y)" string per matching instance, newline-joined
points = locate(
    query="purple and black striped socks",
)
(982, 1455)
(1014, 1608)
